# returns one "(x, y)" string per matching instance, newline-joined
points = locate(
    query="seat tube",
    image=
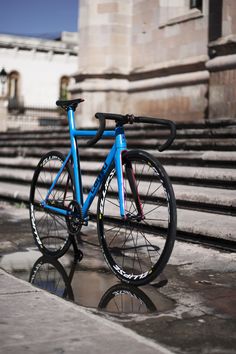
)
(75, 156)
(121, 146)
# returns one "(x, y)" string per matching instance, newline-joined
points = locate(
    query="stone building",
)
(165, 58)
(37, 72)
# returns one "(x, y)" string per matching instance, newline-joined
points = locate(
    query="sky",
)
(42, 18)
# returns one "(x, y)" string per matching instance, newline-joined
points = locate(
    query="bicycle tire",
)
(130, 300)
(48, 274)
(50, 230)
(137, 250)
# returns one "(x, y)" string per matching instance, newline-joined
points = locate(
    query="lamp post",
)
(3, 79)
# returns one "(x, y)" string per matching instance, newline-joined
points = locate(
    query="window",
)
(64, 83)
(13, 85)
(14, 103)
(215, 19)
(196, 4)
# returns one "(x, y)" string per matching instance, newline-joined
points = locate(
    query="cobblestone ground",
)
(191, 307)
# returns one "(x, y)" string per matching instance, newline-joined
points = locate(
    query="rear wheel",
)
(50, 230)
(137, 247)
(48, 274)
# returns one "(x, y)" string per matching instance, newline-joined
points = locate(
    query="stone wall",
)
(222, 93)
(154, 58)
(160, 35)
(222, 67)
(105, 36)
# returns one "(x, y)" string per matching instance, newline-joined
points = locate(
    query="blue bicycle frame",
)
(115, 155)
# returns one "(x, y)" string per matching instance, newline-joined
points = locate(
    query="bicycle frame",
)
(115, 155)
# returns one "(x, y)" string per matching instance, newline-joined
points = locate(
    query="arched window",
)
(13, 85)
(64, 83)
(15, 103)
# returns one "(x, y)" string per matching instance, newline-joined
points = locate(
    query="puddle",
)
(88, 283)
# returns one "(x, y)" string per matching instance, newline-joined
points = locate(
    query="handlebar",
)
(130, 119)
(168, 123)
(102, 127)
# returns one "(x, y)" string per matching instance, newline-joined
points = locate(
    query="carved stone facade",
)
(164, 58)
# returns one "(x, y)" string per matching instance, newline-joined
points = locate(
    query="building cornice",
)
(37, 44)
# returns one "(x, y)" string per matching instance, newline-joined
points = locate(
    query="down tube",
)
(98, 181)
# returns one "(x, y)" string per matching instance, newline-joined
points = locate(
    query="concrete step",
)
(203, 176)
(215, 136)
(224, 159)
(195, 225)
(201, 164)
(192, 197)
(147, 130)
(145, 143)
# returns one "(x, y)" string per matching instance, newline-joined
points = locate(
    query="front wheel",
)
(137, 247)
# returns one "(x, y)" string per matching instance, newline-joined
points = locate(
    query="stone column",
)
(104, 56)
(222, 67)
(3, 114)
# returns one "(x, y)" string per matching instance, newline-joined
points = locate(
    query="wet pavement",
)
(190, 308)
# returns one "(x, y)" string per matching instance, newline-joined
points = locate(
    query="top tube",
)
(85, 133)
(91, 133)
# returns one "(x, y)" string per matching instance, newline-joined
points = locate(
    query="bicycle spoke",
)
(51, 227)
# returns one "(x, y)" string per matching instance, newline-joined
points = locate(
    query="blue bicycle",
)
(136, 209)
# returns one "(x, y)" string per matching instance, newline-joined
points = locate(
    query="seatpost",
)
(75, 156)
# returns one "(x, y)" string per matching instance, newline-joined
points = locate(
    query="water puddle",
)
(88, 283)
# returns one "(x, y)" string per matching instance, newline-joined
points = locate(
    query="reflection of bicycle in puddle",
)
(50, 275)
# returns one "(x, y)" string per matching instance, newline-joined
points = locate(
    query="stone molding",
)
(179, 80)
(158, 70)
(222, 63)
(223, 46)
(191, 71)
(125, 85)
(190, 15)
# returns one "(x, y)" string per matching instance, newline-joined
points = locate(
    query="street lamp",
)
(3, 79)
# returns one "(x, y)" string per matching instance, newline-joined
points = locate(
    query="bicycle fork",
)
(127, 168)
(135, 194)
(121, 149)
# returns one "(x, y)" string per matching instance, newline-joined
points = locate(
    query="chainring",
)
(75, 218)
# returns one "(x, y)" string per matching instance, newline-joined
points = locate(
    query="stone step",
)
(192, 197)
(149, 143)
(146, 130)
(201, 164)
(203, 176)
(224, 159)
(195, 225)
(204, 135)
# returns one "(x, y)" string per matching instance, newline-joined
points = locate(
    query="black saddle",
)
(66, 104)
